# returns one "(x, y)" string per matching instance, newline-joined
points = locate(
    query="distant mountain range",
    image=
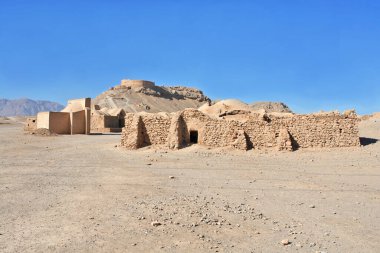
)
(26, 107)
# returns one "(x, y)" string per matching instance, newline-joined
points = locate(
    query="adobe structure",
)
(73, 119)
(109, 108)
(30, 124)
(107, 120)
(111, 119)
(242, 130)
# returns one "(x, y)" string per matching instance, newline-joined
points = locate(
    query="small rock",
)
(312, 206)
(285, 242)
(171, 177)
(156, 224)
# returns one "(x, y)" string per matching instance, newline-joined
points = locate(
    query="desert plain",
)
(84, 193)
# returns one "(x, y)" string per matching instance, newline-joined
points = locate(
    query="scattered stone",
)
(312, 206)
(285, 242)
(171, 177)
(156, 224)
(43, 132)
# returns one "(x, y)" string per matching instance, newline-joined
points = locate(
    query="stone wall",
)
(325, 130)
(137, 83)
(254, 130)
(103, 123)
(30, 124)
(156, 129)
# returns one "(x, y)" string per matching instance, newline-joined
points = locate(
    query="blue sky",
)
(312, 55)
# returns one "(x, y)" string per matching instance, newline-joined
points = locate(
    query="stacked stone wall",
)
(311, 131)
(156, 129)
(251, 131)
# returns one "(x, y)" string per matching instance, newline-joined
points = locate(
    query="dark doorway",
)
(193, 136)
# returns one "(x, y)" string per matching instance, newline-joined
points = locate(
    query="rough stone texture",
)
(30, 124)
(156, 129)
(284, 141)
(139, 96)
(135, 137)
(271, 107)
(240, 140)
(177, 131)
(247, 131)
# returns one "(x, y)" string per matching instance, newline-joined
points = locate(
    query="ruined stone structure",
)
(135, 84)
(74, 119)
(107, 120)
(241, 130)
(109, 108)
(30, 124)
(140, 95)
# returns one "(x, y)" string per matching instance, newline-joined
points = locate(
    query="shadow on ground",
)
(367, 141)
(105, 133)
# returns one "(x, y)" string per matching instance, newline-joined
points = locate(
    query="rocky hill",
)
(138, 95)
(26, 107)
(270, 107)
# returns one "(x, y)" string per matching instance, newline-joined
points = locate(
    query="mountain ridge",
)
(26, 106)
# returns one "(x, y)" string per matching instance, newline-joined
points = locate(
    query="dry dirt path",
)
(81, 194)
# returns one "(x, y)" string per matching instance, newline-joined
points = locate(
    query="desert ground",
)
(84, 193)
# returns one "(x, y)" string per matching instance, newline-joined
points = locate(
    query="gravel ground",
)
(82, 194)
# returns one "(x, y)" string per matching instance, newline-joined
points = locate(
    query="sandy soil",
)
(83, 194)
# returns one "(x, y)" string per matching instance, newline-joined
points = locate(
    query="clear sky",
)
(312, 55)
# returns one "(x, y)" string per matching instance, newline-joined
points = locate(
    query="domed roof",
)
(224, 106)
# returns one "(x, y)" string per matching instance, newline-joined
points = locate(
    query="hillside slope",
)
(148, 97)
(270, 107)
